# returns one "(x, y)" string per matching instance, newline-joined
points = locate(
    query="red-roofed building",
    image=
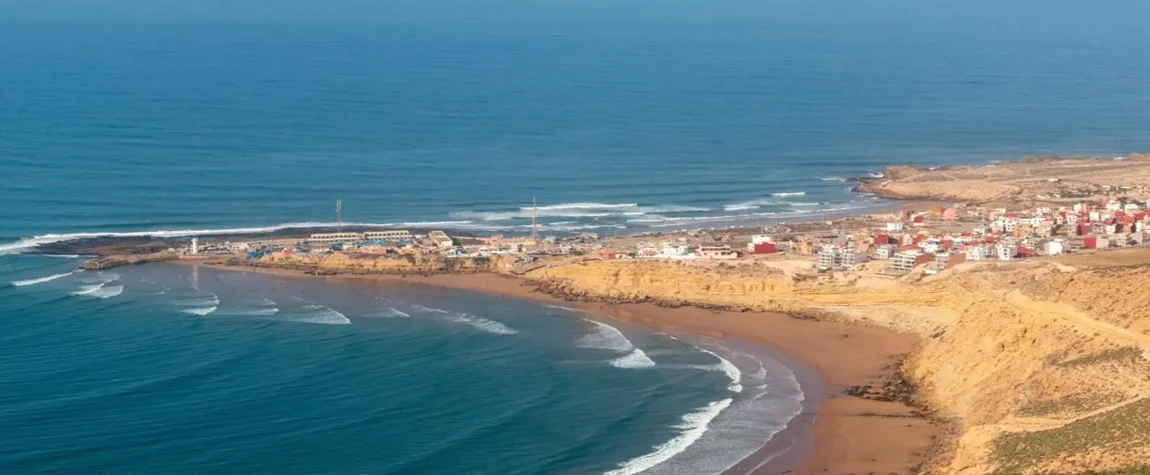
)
(764, 248)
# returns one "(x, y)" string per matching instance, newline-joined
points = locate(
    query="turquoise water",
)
(169, 369)
(623, 116)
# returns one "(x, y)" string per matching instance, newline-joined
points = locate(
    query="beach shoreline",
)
(851, 434)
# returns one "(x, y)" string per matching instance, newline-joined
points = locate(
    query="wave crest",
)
(694, 424)
(41, 280)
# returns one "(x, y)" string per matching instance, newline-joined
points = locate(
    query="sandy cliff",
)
(1043, 365)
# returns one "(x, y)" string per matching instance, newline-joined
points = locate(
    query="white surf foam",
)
(605, 337)
(200, 311)
(323, 315)
(560, 307)
(585, 206)
(789, 193)
(834, 178)
(88, 289)
(256, 311)
(694, 425)
(28, 243)
(105, 292)
(201, 302)
(391, 312)
(428, 309)
(577, 210)
(99, 278)
(24, 283)
(728, 369)
(752, 204)
(489, 326)
(635, 360)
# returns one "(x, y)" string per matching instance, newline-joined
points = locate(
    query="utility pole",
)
(534, 221)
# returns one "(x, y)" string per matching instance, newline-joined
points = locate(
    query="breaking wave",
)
(23, 283)
(746, 205)
(201, 302)
(100, 291)
(577, 210)
(391, 312)
(257, 311)
(694, 425)
(200, 311)
(789, 193)
(489, 326)
(322, 315)
(607, 337)
(29, 243)
(634, 360)
(560, 307)
(728, 369)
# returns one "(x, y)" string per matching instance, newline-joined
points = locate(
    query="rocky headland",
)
(1027, 181)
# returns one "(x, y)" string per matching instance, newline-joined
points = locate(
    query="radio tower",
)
(338, 216)
(534, 221)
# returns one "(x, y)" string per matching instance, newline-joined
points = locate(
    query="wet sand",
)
(835, 434)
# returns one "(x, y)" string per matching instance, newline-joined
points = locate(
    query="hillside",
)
(1044, 366)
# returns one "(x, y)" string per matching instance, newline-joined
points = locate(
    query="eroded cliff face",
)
(342, 263)
(1032, 359)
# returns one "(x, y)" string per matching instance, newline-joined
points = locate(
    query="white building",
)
(1053, 248)
(441, 239)
(904, 261)
(1005, 252)
(931, 246)
(335, 237)
(976, 253)
(195, 246)
(894, 227)
(827, 257)
(1032, 221)
(716, 252)
(393, 235)
(761, 238)
(884, 251)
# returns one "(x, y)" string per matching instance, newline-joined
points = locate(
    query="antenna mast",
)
(338, 215)
(534, 221)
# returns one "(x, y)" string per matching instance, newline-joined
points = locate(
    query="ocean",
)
(618, 117)
(180, 370)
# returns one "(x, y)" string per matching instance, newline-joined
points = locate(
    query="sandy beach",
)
(836, 434)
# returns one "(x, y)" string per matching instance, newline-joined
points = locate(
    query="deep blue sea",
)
(626, 116)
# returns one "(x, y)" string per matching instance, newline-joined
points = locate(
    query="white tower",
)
(195, 246)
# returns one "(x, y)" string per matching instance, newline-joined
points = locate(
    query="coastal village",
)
(1022, 278)
(929, 240)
